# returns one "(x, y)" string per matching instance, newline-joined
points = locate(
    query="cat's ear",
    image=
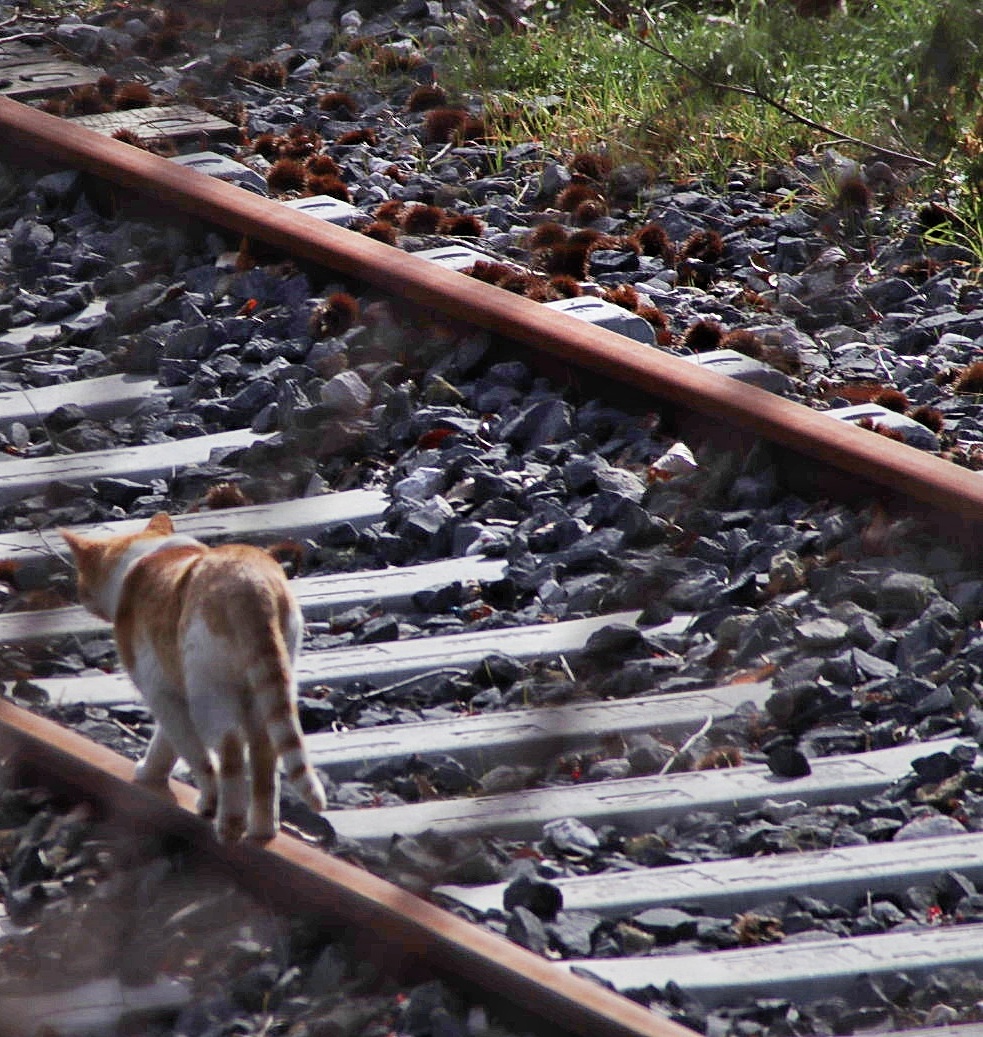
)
(75, 541)
(161, 524)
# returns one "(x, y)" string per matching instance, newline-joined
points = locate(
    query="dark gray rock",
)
(527, 930)
(572, 933)
(822, 633)
(542, 898)
(668, 925)
(786, 761)
(928, 827)
(545, 421)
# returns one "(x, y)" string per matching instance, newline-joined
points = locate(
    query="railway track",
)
(535, 743)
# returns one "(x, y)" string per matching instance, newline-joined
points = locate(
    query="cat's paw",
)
(314, 796)
(261, 833)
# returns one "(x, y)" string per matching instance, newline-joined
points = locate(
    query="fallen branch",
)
(663, 50)
(688, 744)
(18, 37)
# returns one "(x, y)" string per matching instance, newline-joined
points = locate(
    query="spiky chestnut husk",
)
(335, 100)
(365, 135)
(129, 137)
(591, 164)
(286, 174)
(132, 95)
(300, 143)
(892, 399)
(703, 336)
(440, 125)
(224, 494)
(379, 230)
(853, 194)
(562, 286)
(575, 194)
(339, 312)
(653, 240)
(267, 145)
(589, 211)
(87, 100)
(322, 165)
(490, 271)
(931, 417)
(656, 317)
(721, 758)
(567, 258)
(743, 341)
(269, 73)
(389, 59)
(474, 128)
(970, 379)
(624, 295)
(421, 219)
(389, 212)
(707, 246)
(425, 97)
(329, 185)
(547, 235)
(462, 225)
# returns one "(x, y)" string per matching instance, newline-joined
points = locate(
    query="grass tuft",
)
(902, 75)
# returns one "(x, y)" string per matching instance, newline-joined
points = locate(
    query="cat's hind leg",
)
(230, 821)
(264, 803)
(215, 719)
(175, 735)
(214, 724)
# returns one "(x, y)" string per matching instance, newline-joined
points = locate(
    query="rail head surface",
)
(895, 467)
(288, 872)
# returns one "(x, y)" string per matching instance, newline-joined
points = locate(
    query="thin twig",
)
(132, 732)
(707, 724)
(25, 36)
(26, 16)
(52, 442)
(52, 550)
(443, 671)
(220, 26)
(663, 50)
(45, 548)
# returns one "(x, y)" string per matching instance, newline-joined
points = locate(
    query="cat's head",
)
(99, 562)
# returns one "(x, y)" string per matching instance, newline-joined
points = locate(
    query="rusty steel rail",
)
(404, 930)
(894, 468)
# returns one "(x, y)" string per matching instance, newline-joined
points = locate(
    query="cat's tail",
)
(272, 681)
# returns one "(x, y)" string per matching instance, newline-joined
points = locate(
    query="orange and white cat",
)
(210, 636)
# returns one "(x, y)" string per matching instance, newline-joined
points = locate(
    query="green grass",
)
(903, 74)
